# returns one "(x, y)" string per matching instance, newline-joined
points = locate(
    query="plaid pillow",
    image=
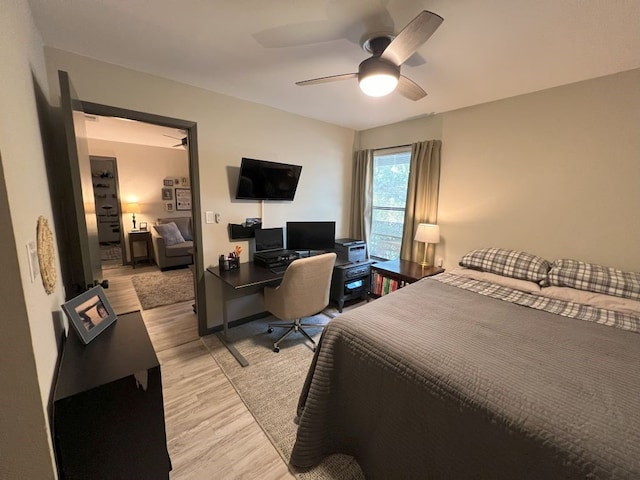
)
(508, 263)
(595, 278)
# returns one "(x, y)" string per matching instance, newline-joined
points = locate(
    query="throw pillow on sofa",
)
(184, 225)
(170, 233)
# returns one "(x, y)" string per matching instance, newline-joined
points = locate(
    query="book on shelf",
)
(381, 285)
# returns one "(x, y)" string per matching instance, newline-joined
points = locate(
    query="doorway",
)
(194, 180)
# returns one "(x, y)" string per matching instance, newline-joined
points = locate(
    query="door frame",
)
(194, 174)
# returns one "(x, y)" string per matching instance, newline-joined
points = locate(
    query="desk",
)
(246, 280)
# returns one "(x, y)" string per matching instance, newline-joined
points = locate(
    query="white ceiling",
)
(130, 131)
(256, 49)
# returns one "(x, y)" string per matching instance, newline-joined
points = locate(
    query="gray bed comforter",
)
(438, 382)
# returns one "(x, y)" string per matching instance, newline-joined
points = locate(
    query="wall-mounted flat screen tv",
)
(311, 235)
(263, 180)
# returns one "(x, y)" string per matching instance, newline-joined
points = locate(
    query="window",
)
(390, 179)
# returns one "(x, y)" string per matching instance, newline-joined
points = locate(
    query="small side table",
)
(140, 237)
(402, 271)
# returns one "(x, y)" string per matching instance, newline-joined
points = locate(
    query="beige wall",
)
(28, 348)
(554, 173)
(229, 129)
(141, 170)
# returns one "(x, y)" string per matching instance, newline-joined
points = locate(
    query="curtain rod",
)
(395, 146)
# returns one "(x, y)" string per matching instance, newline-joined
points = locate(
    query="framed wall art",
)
(183, 199)
(167, 194)
(90, 313)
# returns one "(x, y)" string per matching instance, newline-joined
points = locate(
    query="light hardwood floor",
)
(210, 432)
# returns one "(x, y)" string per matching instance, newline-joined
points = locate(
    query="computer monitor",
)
(269, 238)
(311, 235)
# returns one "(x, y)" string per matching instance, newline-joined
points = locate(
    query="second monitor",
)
(311, 235)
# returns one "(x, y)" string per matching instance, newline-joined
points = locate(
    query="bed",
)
(458, 376)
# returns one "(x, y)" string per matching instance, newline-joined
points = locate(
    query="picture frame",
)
(183, 198)
(143, 226)
(90, 313)
(168, 206)
(168, 182)
(184, 182)
(167, 194)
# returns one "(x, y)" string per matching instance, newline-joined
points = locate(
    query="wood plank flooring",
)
(210, 432)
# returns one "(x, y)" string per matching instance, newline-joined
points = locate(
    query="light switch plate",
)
(209, 217)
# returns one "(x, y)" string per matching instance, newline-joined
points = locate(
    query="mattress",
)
(435, 381)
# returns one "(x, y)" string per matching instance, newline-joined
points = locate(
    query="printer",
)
(351, 249)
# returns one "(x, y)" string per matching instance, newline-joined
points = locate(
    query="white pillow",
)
(600, 300)
(515, 283)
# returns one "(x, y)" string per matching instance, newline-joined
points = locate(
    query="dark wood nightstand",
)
(141, 236)
(387, 277)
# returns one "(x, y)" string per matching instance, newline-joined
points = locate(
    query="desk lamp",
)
(427, 233)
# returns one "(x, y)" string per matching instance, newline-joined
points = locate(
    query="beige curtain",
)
(422, 198)
(361, 195)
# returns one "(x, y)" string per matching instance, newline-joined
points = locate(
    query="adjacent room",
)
(319, 239)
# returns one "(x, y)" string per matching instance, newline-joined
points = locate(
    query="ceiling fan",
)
(183, 141)
(379, 74)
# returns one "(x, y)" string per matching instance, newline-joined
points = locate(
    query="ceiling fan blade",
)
(410, 89)
(411, 37)
(332, 78)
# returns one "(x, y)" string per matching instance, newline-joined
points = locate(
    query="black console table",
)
(108, 413)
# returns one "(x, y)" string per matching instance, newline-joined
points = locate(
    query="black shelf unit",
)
(350, 281)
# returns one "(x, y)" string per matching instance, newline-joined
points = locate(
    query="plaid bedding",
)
(551, 305)
(595, 278)
(509, 263)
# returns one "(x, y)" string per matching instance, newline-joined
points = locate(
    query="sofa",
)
(173, 242)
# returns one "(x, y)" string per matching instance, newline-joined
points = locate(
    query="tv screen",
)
(262, 180)
(311, 235)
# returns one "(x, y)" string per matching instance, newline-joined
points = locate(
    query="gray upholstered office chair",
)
(304, 291)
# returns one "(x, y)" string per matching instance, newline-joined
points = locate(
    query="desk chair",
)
(304, 291)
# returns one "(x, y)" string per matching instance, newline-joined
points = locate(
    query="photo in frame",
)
(143, 226)
(168, 206)
(168, 182)
(90, 313)
(183, 199)
(167, 194)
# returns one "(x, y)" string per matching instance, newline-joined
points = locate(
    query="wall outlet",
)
(217, 218)
(209, 217)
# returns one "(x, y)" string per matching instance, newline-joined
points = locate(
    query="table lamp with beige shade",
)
(427, 233)
(133, 208)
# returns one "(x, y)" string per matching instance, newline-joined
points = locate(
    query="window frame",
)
(381, 152)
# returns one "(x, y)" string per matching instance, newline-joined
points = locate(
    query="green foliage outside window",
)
(390, 177)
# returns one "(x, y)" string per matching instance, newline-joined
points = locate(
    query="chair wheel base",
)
(276, 349)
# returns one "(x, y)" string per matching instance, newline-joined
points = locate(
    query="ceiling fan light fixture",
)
(377, 77)
(378, 85)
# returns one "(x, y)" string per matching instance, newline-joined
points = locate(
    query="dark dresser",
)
(108, 413)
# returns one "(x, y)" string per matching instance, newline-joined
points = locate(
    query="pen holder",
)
(229, 263)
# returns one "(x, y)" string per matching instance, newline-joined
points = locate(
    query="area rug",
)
(156, 289)
(271, 384)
